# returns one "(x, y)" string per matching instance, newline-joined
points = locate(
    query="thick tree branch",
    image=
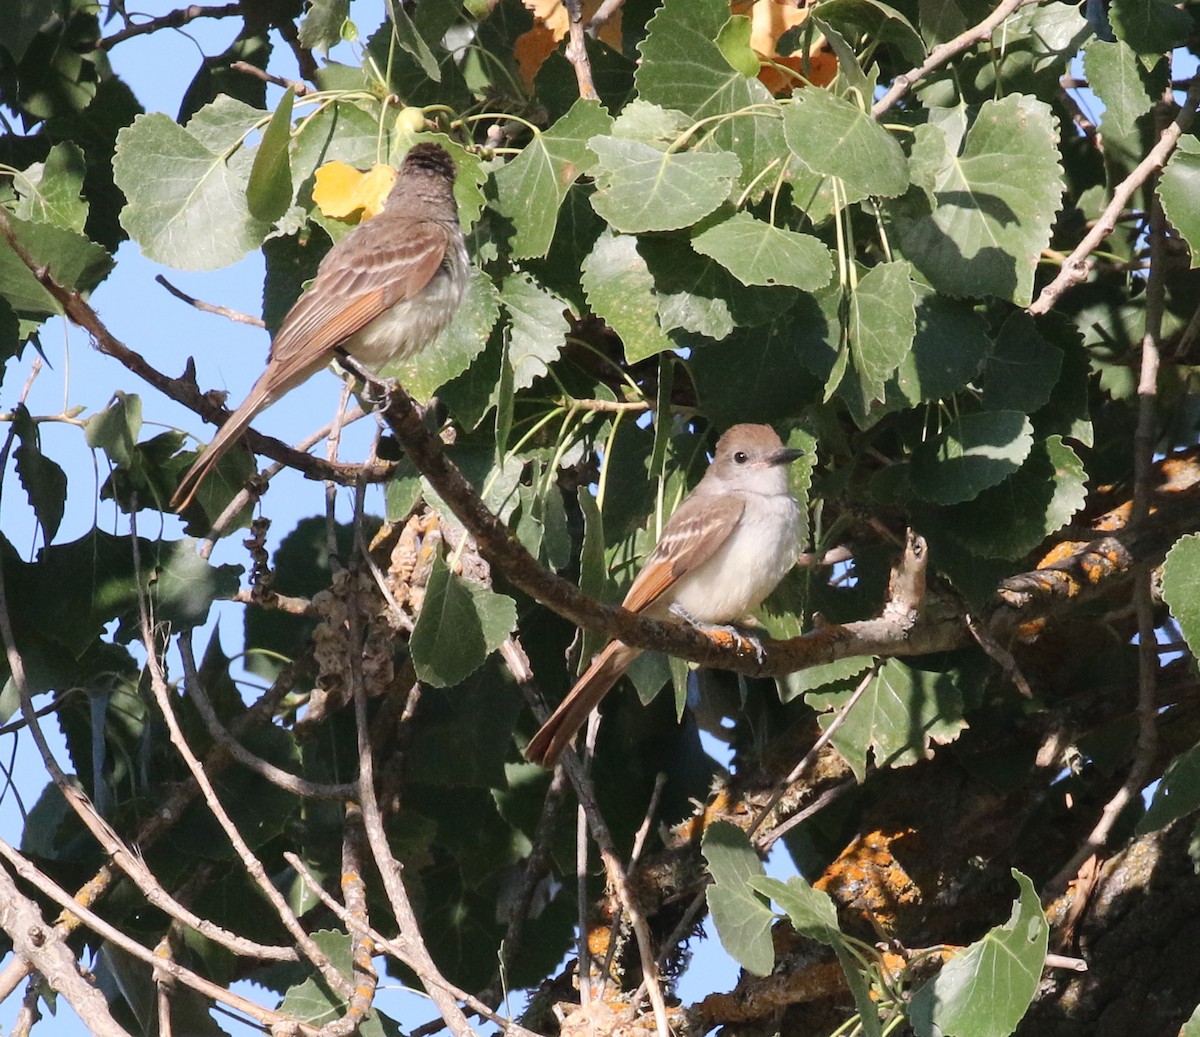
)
(901, 630)
(37, 943)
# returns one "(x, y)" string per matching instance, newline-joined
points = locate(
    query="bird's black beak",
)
(786, 456)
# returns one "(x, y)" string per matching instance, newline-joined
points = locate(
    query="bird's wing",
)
(344, 300)
(699, 526)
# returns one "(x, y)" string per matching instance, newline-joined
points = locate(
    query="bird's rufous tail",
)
(227, 435)
(556, 733)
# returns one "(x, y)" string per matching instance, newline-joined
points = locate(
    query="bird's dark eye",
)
(740, 457)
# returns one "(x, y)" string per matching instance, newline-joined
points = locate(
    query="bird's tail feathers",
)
(556, 733)
(229, 433)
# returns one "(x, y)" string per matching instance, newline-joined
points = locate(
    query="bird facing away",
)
(382, 293)
(722, 552)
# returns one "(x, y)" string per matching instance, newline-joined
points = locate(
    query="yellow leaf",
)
(341, 189)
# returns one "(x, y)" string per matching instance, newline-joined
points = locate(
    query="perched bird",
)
(381, 293)
(722, 552)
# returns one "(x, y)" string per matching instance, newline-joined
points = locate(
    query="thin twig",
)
(943, 52)
(277, 776)
(577, 52)
(810, 757)
(98, 925)
(253, 866)
(37, 943)
(207, 307)
(602, 14)
(295, 85)
(416, 954)
(174, 20)
(1077, 265)
(1145, 435)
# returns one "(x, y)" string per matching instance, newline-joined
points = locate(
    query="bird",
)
(725, 548)
(382, 293)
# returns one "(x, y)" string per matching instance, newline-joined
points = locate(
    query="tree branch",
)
(174, 20)
(943, 52)
(1076, 266)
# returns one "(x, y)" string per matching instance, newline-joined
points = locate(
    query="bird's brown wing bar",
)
(351, 297)
(699, 526)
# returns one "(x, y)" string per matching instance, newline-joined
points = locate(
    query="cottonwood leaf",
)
(538, 328)
(742, 920)
(903, 711)
(972, 453)
(833, 137)
(187, 198)
(1011, 519)
(531, 188)
(1179, 189)
(985, 990)
(642, 188)
(460, 624)
(682, 67)
(620, 290)
(1181, 588)
(758, 253)
(993, 201)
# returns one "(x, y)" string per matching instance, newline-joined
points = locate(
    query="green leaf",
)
(813, 914)
(810, 911)
(269, 191)
(185, 585)
(1181, 588)
(50, 191)
(833, 137)
(1010, 520)
(1150, 27)
(757, 253)
(882, 324)
(876, 21)
(620, 290)
(642, 188)
(411, 41)
(903, 711)
(321, 27)
(1115, 75)
(950, 344)
(743, 921)
(538, 330)
(683, 68)
(1178, 189)
(341, 132)
(531, 188)
(972, 453)
(71, 259)
(1192, 1027)
(187, 189)
(459, 343)
(115, 429)
(1022, 368)
(985, 990)
(44, 481)
(1177, 795)
(803, 681)
(459, 626)
(762, 373)
(992, 204)
(733, 41)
